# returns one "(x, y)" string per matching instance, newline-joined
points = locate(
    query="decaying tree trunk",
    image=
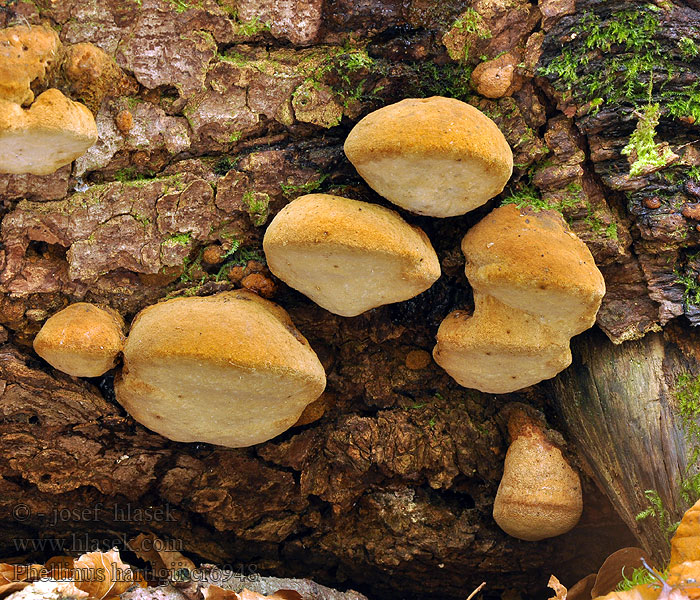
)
(620, 406)
(234, 107)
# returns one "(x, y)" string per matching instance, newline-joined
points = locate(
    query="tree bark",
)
(621, 410)
(388, 485)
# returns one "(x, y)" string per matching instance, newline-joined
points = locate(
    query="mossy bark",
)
(388, 486)
(621, 406)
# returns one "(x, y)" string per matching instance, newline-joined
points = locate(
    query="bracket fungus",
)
(433, 156)
(349, 256)
(229, 369)
(53, 131)
(540, 494)
(535, 286)
(26, 56)
(82, 340)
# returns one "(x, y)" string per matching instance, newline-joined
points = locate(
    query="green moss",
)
(611, 231)
(639, 576)
(309, 187)
(238, 256)
(233, 57)
(471, 21)
(133, 101)
(189, 265)
(341, 67)
(687, 392)
(132, 175)
(450, 80)
(623, 75)
(251, 28)
(688, 399)
(657, 510)
(688, 48)
(179, 239)
(691, 295)
(257, 205)
(235, 136)
(683, 103)
(353, 59)
(632, 62)
(529, 196)
(647, 153)
(180, 6)
(225, 164)
(143, 219)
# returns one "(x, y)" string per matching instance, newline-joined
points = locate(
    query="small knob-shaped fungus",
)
(92, 74)
(51, 133)
(540, 494)
(82, 340)
(535, 286)
(433, 156)
(349, 256)
(229, 369)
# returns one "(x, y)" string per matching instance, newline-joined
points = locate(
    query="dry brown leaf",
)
(610, 574)
(7, 573)
(102, 575)
(639, 592)
(685, 545)
(559, 589)
(283, 595)
(686, 577)
(59, 567)
(13, 586)
(150, 548)
(581, 590)
(13, 573)
(13, 578)
(246, 594)
(214, 592)
(68, 589)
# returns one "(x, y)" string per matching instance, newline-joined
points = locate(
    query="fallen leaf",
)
(14, 586)
(102, 575)
(150, 548)
(59, 567)
(639, 592)
(685, 544)
(619, 563)
(214, 592)
(686, 577)
(581, 590)
(13, 573)
(559, 589)
(278, 595)
(13, 578)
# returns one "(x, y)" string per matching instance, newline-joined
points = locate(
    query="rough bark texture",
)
(621, 409)
(231, 109)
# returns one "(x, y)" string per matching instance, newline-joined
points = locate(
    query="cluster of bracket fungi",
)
(190, 363)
